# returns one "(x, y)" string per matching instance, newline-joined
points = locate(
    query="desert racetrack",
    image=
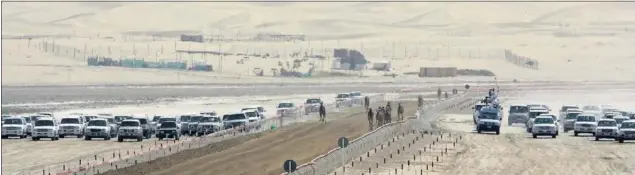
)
(302, 141)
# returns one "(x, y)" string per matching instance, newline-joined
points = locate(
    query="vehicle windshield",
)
(343, 95)
(620, 120)
(165, 119)
(543, 120)
(571, 116)
(285, 105)
(312, 101)
(13, 121)
(44, 123)
(535, 114)
(628, 125)
(156, 118)
(607, 123)
(534, 106)
(585, 118)
(251, 114)
(209, 113)
(70, 121)
(129, 123)
(234, 117)
(143, 121)
(518, 109)
(97, 123)
(488, 115)
(168, 125)
(185, 118)
(591, 108)
(244, 109)
(196, 118)
(478, 107)
(565, 108)
(210, 119)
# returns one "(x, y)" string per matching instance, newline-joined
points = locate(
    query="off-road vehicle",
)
(168, 129)
(98, 128)
(209, 124)
(130, 129)
(72, 126)
(14, 127)
(45, 127)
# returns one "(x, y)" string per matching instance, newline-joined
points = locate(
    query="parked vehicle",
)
(169, 129)
(208, 125)
(71, 125)
(98, 128)
(130, 129)
(45, 127)
(14, 127)
(233, 120)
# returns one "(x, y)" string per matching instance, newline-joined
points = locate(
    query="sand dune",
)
(571, 36)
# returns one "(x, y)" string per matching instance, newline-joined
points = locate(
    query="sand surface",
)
(514, 151)
(563, 37)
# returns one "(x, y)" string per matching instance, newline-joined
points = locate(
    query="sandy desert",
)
(48, 44)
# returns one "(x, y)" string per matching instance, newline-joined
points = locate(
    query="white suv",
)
(606, 128)
(584, 123)
(130, 129)
(14, 127)
(71, 126)
(45, 127)
(286, 108)
(235, 120)
(545, 125)
(626, 131)
(98, 128)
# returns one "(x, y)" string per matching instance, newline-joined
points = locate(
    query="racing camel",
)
(379, 116)
(400, 111)
(370, 118)
(322, 113)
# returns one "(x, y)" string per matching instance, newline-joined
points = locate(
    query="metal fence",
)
(337, 157)
(96, 163)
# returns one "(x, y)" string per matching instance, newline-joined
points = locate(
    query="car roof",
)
(606, 119)
(46, 118)
(98, 119)
(538, 109)
(628, 121)
(286, 102)
(544, 116)
(621, 116)
(574, 110)
(130, 120)
(522, 105)
(14, 117)
(249, 110)
(235, 113)
(587, 114)
(569, 105)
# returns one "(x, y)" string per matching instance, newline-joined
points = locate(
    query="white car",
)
(209, 124)
(620, 119)
(253, 115)
(98, 128)
(45, 127)
(29, 125)
(286, 108)
(626, 131)
(14, 127)
(71, 125)
(564, 108)
(593, 109)
(585, 123)
(343, 99)
(570, 118)
(130, 129)
(233, 120)
(533, 113)
(356, 98)
(545, 125)
(261, 110)
(606, 128)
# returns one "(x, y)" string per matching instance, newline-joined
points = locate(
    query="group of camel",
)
(383, 114)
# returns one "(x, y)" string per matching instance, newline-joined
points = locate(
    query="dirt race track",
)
(262, 153)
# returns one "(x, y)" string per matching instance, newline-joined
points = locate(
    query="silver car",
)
(569, 119)
(518, 114)
(626, 131)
